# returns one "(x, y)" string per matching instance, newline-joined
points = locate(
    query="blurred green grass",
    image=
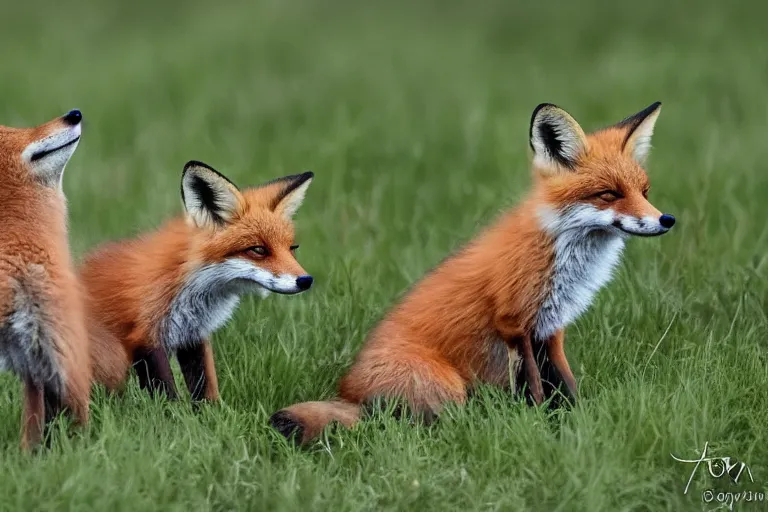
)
(414, 117)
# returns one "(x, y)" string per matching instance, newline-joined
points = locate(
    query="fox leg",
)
(52, 407)
(77, 397)
(75, 403)
(553, 385)
(53, 404)
(532, 375)
(154, 371)
(199, 372)
(33, 415)
(510, 330)
(556, 355)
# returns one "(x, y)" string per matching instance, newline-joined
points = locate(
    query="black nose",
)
(73, 117)
(667, 220)
(304, 282)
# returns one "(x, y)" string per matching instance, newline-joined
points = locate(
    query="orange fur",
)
(133, 284)
(38, 285)
(109, 364)
(470, 319)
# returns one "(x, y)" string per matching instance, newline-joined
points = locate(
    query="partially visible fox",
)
(170, 290)
(43, 333)
(515, 287)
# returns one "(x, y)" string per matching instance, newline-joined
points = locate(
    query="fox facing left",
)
(43, 333)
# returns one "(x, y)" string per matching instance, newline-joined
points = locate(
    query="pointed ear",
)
(211, 199)
(556, 138)
(288, 193)
(639, 128)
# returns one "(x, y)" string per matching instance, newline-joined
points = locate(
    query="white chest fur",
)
(584, 262)
(205, 302)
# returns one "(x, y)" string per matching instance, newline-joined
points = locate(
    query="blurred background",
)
(414, 117)
(376, 95)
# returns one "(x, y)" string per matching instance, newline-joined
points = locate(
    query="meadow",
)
(414, 118)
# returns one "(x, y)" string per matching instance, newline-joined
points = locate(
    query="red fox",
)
(481, 312)
(168, 291)
(43, 332)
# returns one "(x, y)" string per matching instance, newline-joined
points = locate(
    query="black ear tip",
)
(192, 164)
(541, 106)
(307, 175)
(536, 111)
(195, 163)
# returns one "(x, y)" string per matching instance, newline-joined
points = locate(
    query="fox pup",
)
(43, 333)
(516, 286)
(169, 291)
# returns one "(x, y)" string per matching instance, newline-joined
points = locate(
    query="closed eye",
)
(608, 196)
(259, 251)
(645, 192)
(294, 247)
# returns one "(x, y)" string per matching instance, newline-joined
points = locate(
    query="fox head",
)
(596, 181)
(247, 235)
(39, 155)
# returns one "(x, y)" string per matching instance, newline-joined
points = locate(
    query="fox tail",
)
(305, 422)
(29, 342)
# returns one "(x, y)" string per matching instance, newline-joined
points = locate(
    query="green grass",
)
(414, 119)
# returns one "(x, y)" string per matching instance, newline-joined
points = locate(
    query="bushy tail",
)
(305, 422)
(28, 340)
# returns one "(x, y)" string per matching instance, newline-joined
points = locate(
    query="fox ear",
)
(211, 199)
(639, 127)
(288, 193)
(556, 138)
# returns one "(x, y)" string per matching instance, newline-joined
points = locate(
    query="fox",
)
(44, 337)
(168, 291)
(499, 306)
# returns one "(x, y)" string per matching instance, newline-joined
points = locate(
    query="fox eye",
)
(645, 192)
(259, 250)
(294, 247)
(609, 196)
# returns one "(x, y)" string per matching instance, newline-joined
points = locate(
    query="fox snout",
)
(50, 147)
(72, 118)
(304, 282)
(644, 226)
(285, 284)
(667, 221)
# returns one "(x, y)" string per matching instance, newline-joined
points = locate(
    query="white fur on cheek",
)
(49, 169)
(246, 273)
(586, 252)
(579, 217)
(210, 295)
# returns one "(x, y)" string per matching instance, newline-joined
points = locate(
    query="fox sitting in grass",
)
(43, 331)
(515, 287)
(168, 291)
